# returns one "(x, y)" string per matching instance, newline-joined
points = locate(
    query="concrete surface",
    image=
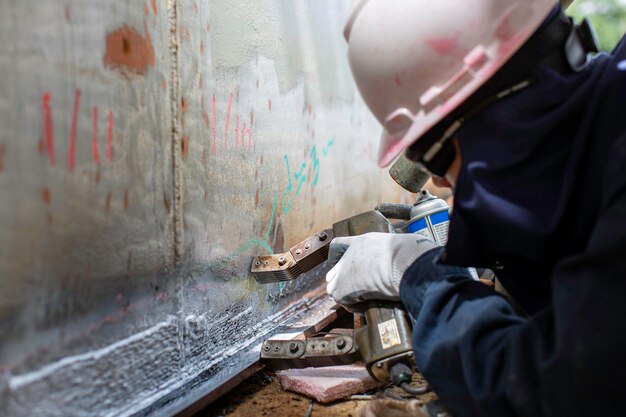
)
(148, 149)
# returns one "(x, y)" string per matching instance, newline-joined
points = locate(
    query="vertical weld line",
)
(177, 180)
(176, 152)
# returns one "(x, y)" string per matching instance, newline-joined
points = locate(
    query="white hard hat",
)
(415, 61)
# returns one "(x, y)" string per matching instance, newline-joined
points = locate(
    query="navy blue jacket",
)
(541, 199)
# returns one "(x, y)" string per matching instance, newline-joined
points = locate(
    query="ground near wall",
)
(261, 395)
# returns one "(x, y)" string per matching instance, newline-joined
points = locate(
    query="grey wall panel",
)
(147, 150)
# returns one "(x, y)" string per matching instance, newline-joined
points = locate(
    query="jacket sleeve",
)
(483, 359)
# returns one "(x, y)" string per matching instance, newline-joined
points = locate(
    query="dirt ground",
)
(261, 395)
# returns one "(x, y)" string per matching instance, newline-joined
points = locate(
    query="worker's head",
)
(418, 63)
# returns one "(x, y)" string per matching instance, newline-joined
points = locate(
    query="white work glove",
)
(372, 265)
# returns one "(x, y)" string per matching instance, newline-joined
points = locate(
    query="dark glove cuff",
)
(423, 272)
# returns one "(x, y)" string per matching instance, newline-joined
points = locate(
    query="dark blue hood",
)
(523, 194)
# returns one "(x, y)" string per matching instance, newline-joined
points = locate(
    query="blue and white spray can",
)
(430, 218)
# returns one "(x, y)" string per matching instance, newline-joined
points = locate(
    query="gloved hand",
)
(372, 265)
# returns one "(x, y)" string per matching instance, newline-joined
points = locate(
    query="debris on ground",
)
(392, 408)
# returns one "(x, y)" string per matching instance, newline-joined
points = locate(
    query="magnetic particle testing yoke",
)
(384, 342)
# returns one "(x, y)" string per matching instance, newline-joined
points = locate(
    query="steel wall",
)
(147, 150)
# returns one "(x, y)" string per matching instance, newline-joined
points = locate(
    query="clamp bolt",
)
(293, 347)
(322, 236)
(266, 348)
(341, 344)
(257, 263)
(282, 261)
(266, 263)
(277, 348)
(298, 251)
(307, 246)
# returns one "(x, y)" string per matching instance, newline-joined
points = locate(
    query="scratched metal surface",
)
(147, 150)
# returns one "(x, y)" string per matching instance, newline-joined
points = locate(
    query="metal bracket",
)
(301, 258)
(315, 351)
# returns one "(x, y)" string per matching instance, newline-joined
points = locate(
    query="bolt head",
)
(266, 263)
(322, 236)
(293, 347)
(307, 246)
(276, 348)
(257, 263)
(341, 343)
(298, 251)
(266, 348)
(282, 261)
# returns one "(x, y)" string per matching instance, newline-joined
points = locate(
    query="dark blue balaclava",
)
(523, 162)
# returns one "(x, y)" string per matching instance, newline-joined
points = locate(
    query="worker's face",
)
(449, 180)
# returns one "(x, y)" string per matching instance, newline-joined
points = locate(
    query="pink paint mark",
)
(243, 136)
(71, 156)
(249, 138)
(230, 104)
(48, 128)
(236, 130)
(213, 128)
(443, 45)
(110, 138)
(46, 195)
(94, 137)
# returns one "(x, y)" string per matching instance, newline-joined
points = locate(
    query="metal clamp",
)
(301, 258)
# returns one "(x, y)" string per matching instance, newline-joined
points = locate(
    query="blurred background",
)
(608, 18)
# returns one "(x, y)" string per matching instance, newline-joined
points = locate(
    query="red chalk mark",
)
(125, 200)
(243, 136)
(256, 199)
(47, 197)
(205, 119)
(443, 45)
(107, 203)
(48, 129)
(236, 130)
(71, 156)
(2, 157)
(249, 138)
(251, 118)
(110, 137)
(94, 137)
(213, 127)
(154, 6)
(230, 104)
(269, 104)
(397, 80)
(184, 144)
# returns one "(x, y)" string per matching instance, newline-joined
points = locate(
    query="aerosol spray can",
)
(430, 218)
